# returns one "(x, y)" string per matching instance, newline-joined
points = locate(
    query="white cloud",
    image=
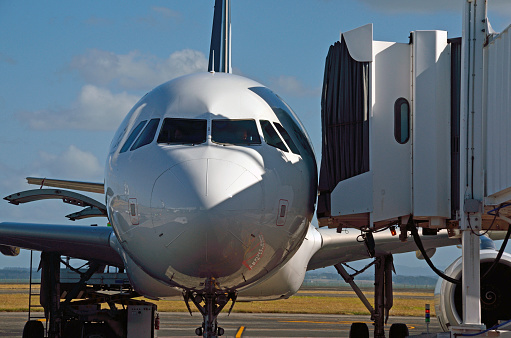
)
(136, 70)
(72, 163)
(98, 108)
(95, 109)
(290, 85)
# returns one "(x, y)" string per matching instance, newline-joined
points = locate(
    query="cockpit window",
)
(183, 131)
(147, 135)
(132, 136)
(271, 137)
(287, 118)
(287, 138)
(237, 132)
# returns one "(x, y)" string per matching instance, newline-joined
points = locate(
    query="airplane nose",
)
(207, 184)
(200, 215)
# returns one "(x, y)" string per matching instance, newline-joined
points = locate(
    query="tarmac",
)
(179, 324)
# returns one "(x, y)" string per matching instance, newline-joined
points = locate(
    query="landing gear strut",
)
(383, 298)
(210, 303)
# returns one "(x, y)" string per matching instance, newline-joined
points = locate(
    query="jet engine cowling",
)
(495, 292)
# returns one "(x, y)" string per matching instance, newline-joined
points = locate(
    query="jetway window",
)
(236, 132)
(183, 131)
(401, 120)
(287, 138)
(147, 135)
(271, 137)
(132, 136)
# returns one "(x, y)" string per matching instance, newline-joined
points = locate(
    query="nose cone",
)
(202, 211)
(209, 185)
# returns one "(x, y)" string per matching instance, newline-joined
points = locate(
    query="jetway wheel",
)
(33, 329)
(398, 330)
(359, 330)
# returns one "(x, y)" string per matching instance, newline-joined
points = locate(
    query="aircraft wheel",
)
(221, 331)
(398, 330)
(33, 329)
(359, 330)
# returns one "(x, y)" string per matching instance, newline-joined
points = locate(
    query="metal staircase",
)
(35, 304)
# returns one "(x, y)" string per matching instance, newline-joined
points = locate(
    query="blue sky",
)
(71, 70)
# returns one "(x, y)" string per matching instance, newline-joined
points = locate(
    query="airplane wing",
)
(348, 246)
(83, 242)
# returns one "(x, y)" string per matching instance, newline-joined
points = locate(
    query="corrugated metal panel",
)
(498, 123)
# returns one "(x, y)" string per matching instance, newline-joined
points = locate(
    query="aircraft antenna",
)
(220, 49)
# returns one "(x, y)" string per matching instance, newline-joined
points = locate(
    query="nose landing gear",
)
(210, 302)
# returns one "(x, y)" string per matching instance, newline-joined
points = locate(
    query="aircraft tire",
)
(33, 329)
(398, 330)
(359, 330)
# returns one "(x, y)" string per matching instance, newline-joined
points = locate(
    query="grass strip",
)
(344, 305)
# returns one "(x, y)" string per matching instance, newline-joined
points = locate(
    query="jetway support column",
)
(471, 159)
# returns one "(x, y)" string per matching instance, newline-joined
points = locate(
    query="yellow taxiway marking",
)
(240, 332)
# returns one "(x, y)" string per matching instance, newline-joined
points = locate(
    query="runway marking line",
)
(240, 332)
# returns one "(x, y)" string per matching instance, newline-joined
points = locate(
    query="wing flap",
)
(95, 208)
(98, 188)
(83, 242)
(86, 213)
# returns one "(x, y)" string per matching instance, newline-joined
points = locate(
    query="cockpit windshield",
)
(236, 132)
(183, 131)
(271, 137)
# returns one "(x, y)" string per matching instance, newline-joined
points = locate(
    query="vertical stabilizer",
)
(220, 49)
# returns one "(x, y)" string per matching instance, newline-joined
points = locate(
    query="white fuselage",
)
(209, 186)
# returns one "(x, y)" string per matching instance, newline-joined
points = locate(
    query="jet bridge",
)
(417, 135)
(391, 132)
